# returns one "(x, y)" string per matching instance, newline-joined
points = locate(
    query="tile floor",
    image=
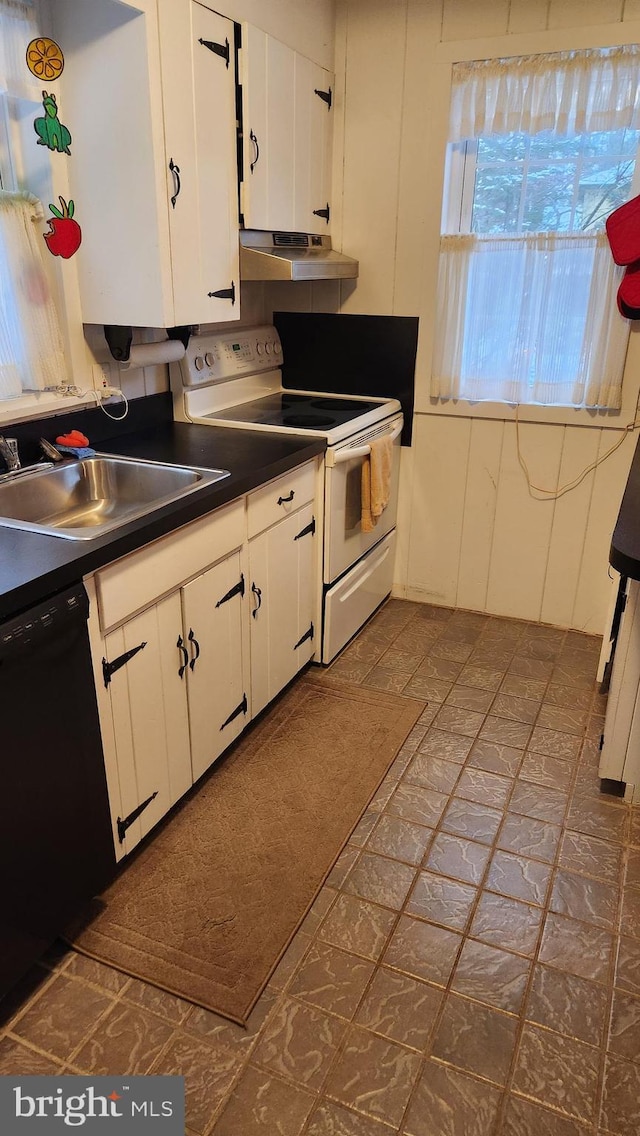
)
(472, 966)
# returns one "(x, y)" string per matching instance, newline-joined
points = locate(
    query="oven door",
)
(344, 541)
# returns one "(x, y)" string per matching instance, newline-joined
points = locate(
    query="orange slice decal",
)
(45, 59)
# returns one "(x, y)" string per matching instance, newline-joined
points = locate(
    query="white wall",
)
(470, 532)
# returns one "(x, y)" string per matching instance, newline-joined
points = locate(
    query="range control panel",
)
(229, 355)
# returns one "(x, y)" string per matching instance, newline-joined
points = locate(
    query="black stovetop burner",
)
(298, 411)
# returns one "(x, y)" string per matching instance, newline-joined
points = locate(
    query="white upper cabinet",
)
(287, 132)
(149, 94)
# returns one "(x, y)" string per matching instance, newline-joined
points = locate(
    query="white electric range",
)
(233, 379)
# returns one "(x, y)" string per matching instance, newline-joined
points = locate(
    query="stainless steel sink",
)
(83, 499)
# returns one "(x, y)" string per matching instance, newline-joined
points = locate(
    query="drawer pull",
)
(185, 661)
(285, 500)
(194, 642)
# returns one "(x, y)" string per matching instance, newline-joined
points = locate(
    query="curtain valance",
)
(567, 92)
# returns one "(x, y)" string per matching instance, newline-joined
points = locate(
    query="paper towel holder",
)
(119, 338)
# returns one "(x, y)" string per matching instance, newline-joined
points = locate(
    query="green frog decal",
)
(49, 129)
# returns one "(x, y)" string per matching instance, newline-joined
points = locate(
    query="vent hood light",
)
(292, 256)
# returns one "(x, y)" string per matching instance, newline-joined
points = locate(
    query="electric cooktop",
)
(297, 411)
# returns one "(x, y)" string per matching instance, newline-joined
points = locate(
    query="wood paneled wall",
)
(470, 533)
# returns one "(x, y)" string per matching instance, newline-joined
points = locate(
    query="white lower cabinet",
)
(176, 685)
(283, 636)
(148, 704)
(212, 607)
(195, 633)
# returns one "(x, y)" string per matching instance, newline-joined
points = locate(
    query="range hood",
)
(292, 256)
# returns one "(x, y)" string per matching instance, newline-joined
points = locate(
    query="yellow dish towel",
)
(376, 482)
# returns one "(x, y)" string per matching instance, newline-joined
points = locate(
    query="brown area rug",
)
(207, 908)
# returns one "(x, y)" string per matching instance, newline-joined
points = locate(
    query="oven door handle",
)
(360, 451)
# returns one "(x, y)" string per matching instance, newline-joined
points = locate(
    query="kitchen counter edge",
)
(34, 566)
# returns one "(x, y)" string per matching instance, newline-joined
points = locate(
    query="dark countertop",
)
(33, 566)
(624, 554)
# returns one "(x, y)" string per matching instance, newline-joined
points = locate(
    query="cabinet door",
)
(218, 708)
(313, 137)
(113, 105)
(282, 562)
(198, 73)
(269, 90)
(150, 717)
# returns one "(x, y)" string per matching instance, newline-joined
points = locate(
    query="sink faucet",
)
(9, 451)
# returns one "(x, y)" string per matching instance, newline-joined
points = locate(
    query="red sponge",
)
(74, 438)
(623, 231)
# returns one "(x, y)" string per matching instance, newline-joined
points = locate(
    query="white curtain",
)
(31, 348)
(528, 319)
(568, 92)
(532, 317)
(18, 26)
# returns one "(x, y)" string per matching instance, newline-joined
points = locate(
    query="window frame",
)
(437, 89)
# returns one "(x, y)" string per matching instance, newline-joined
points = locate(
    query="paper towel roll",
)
(148, 354)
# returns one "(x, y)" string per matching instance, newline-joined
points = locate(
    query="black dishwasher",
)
(56, 844)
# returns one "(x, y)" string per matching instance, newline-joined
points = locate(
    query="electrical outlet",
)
(101, 376)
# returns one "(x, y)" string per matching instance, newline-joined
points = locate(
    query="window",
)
(31, 349)
(543, 149)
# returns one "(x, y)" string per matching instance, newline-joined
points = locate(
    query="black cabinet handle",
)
(258, 594)
(175, 170)
(185, 656)
(224, 293)
(284, 500)
(194, 642)
(252, 138)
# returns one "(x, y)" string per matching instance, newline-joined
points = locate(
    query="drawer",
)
(268, 505)
(139, 579)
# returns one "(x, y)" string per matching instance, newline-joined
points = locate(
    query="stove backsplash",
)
(345, 354)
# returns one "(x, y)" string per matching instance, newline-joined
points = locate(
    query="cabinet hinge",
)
(308, 530)
(221, 49)
(123, 825)
(236, 590)
(224, 293)
(303, 638)
(109, 669)
(326, 96)
(326, 213)
(241, 709)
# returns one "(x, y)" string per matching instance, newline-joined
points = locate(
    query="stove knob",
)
(267, 348)
(259, 348)
(209, 359)
(199, 362)
(277, 348)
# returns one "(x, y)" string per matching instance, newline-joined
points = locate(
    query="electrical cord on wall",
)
(554, 494)
(106, 392)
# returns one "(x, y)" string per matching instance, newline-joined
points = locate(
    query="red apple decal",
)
(65, 234)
